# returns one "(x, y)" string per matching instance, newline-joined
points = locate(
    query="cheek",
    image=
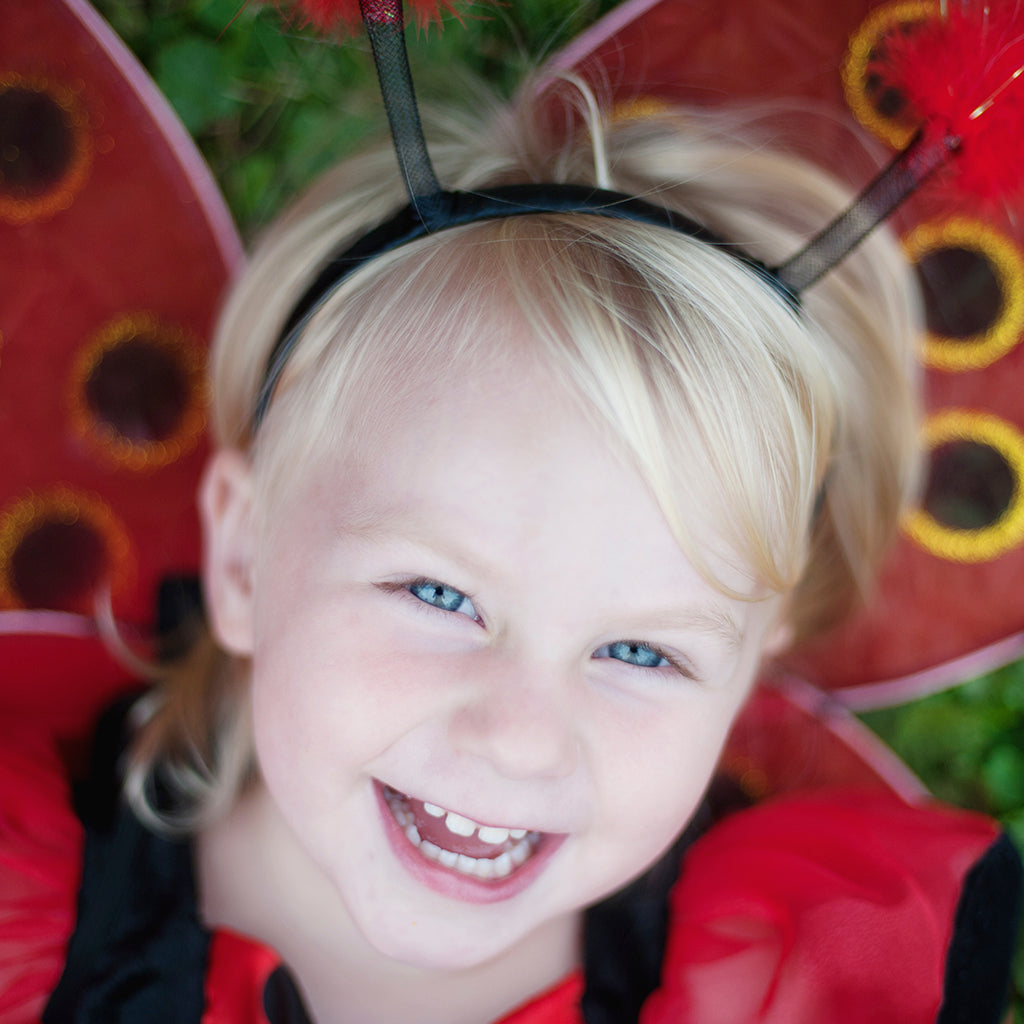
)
(332, 686)
(652, 777)
(306, 696)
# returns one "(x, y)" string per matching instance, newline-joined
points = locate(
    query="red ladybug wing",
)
(949, 603)
(116, 248)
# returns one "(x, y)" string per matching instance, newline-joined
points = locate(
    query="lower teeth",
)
(477, 867)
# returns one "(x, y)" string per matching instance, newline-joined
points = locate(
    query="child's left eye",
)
(633, 653)
(440, 595)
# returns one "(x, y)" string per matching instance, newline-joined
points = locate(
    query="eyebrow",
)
(396, 523)
(714, 621)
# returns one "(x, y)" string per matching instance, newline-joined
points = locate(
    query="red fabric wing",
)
(835, 909)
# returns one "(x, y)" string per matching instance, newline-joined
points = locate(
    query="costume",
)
(837, 907)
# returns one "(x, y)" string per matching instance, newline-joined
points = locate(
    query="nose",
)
(520, 718)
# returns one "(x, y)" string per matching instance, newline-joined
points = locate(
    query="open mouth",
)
(485, 852)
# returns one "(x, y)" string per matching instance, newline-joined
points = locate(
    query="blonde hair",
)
(804, 424)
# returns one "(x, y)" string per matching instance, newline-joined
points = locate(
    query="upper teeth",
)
(462, 826)
(502, 864)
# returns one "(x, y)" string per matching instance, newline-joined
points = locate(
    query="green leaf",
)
(1003, 774)
(192, 74)
(318, 136)
(253, 185)
(220, 16)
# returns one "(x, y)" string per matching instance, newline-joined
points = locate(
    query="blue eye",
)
(440, 595)
(633, 653)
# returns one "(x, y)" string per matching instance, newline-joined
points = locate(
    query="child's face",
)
(481, 608)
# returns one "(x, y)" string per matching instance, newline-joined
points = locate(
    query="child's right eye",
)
(635, 653)
(440, 595)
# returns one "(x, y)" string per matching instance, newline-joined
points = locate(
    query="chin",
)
(437, 942)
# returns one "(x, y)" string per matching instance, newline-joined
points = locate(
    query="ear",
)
(778, 640)
(779, 636)
(225, 507)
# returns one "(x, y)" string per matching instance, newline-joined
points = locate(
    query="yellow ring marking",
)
(640, 108)
(859, 53)
(186, 353)
(979, 350)
(988, 542)
(20, 209)
(66, 506)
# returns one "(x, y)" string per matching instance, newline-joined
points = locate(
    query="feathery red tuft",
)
(347, 14)
(962, 76)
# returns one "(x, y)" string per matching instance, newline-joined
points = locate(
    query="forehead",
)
(502, 461)
(433, 340)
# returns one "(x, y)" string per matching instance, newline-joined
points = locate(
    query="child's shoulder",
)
(97, 911)
(842, 906)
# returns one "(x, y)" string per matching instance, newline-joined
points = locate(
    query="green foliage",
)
(966, 743)
(271, 108)
(195, 74)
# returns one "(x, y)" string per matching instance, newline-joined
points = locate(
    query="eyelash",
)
(635, 646)
(408, 587)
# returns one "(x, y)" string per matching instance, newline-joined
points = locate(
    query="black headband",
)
(452, 209)
(432, 208)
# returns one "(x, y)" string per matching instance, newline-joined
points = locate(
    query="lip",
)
(454, 884)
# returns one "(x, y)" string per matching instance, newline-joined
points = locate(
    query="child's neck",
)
(240, 862)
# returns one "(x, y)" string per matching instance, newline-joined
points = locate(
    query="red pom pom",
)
(962, 76)
(347, 14)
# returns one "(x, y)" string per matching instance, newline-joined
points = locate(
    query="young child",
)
(530, 504)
